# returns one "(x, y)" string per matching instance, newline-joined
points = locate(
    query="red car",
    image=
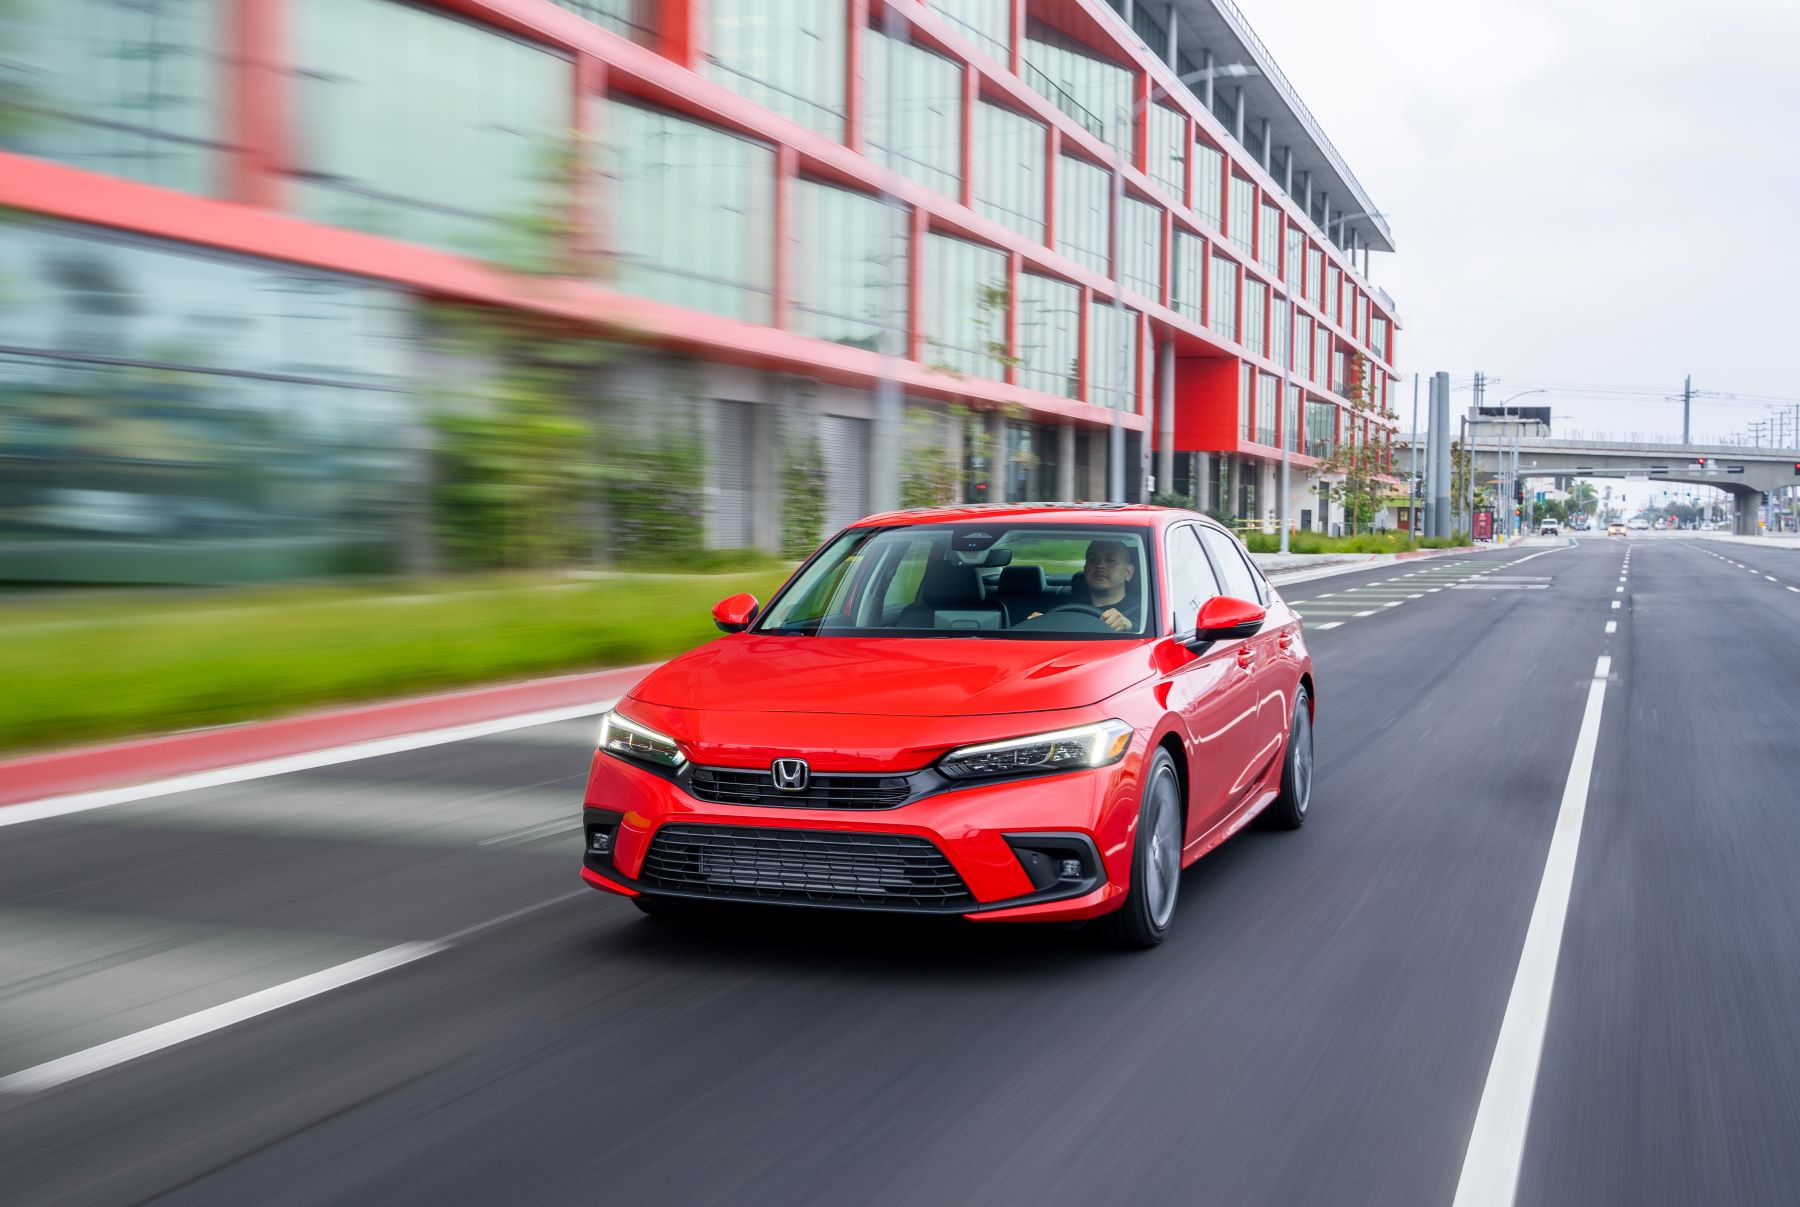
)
(1012, 714)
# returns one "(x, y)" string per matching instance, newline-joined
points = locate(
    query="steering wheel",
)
(1075, 607)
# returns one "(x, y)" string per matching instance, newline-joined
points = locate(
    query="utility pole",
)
(1757, 427)
(1412, 490)
(1687, 403)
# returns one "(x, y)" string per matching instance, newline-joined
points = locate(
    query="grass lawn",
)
(78, 668)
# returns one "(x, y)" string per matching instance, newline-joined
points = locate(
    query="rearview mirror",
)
(734, 615)
(1223, 618)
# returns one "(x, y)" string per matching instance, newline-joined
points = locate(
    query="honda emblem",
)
(791, 775)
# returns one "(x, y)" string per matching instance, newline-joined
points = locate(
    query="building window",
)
(1268, 394)
(965, 307)
(1246, 402)
(1168, 140)
(1112, 356)
(1268, 239)
(1186, 284)
(1009, 169)
(1315, 270)
(627, 18)
(1083, 200)
(912, 111)
(1256, 298)
(1049, 335)
(691, 210)
(1221, 307)
(1209, 181)
(786, 55)
(1280, 314)
(1290, 419)
(1378, 337)
(1243, 210)
(1296, 260)
(1141, 248)
(849, 267)
(1095, 92)
(1340, 373)
(983, 22)
(1322, 357)
(125, 87)
(1301, 362)
(1332, 292)
(424, 127)
(1321, 428)
(188, 407)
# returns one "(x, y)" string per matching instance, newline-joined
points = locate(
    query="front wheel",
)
(1288, 810)
(1143, 921)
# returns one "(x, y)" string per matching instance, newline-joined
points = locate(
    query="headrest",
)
(947, 585)
(1023, 580)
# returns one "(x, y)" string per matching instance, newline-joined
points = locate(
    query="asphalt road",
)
(1318, 1030)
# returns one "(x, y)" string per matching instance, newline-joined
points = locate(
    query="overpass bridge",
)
(1746, 472)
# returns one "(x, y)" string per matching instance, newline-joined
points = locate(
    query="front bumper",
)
(987, 851)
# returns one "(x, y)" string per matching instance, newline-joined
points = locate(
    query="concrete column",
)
(1173, 58)
(998, 466)
(1267, 504)
(1287, 173)
(1439, 470)
(1325, 224)
(1202, 481)
(1306, 203)
(1165, 415)
(1206, 83)
(1065, 462)
(1238, 116)
(1268, 147)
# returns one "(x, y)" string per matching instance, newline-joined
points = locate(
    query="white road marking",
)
(1618, 590)
(1415, 596)
(1395, 604)
(1770, 577)
(1370, 612)
(180, 1030)
(1612, 626)
(1319, 628)
(1434, 590)
(80, 802)
(1615, 604)
(1490, 1170)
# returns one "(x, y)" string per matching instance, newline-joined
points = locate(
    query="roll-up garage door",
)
(845, 444)
(733, 475)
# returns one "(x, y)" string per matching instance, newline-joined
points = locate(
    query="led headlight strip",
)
(1085, 746)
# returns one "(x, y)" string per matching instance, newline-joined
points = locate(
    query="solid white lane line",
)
(59, 806)
(1490, 1170)
(1612, 626)
(1318, 628)
(155, 1039)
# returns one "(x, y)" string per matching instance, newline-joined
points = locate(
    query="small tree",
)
(802, 494)
(1359, 458)
(929, 476)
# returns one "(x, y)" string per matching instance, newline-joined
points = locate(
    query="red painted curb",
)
(86, 768)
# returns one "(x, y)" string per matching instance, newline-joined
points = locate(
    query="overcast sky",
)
(1601, 192)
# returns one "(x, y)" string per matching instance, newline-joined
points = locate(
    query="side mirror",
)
(1223, 618)
(734, 615)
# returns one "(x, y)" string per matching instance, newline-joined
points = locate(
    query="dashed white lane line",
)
(1394, 604)
(1795, 589)
(1612, 626)
(1615, 604)
(1490, 1170)
(1619, 590)
(1370, 612)
(1434, 590)
(1318, 628)
(1770, 577)
(180, 1030)
(1420, 596)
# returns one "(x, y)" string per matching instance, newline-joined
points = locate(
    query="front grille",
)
(741, 786)
(817, 867)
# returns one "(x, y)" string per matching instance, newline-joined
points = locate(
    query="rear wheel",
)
(1288, 810)
(1143, 921)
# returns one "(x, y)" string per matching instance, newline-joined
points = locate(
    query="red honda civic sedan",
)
(1011, 714)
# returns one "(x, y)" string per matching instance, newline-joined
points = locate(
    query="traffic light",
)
(1797, 469)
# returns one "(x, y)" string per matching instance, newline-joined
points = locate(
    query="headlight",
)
(633, 741)
(1096, 745)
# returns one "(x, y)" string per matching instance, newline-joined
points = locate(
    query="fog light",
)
(600, 842)
(1069, 869)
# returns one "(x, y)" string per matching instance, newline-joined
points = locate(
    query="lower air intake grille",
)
(818, 867)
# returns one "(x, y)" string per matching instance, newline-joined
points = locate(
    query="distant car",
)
(1639, 524)
(1013, 714)
(1549, 528)
(1616, 528)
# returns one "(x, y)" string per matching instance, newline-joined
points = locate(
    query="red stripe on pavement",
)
(142, 759)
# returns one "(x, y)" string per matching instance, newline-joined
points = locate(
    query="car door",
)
(1263, 657)
(1212, 691)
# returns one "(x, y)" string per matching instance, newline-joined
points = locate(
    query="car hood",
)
(895, 676)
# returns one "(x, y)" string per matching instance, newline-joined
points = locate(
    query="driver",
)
(1108, 571)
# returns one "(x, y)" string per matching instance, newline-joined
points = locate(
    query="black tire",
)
(1149, 910)
(1288, 810)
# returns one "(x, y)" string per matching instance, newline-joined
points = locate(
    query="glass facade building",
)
(965, 306)
(913, 109)
(1083, 213)
(1049, 335)
(782, 54)
(1009, 169)
(850, 262)
(1140, 247)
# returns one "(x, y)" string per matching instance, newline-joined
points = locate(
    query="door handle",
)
(1245, 657)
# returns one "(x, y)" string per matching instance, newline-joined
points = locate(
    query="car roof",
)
(1134, 514)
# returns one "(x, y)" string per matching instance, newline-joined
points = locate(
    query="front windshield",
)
(1015, 580)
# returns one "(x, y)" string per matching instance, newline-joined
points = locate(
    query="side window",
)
(1234, 572)
(1191, 578)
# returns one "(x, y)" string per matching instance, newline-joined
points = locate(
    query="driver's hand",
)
(1034, 616)
(1117, 619)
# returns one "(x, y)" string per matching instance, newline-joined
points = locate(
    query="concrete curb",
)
(1370, 561)
(114, 765)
